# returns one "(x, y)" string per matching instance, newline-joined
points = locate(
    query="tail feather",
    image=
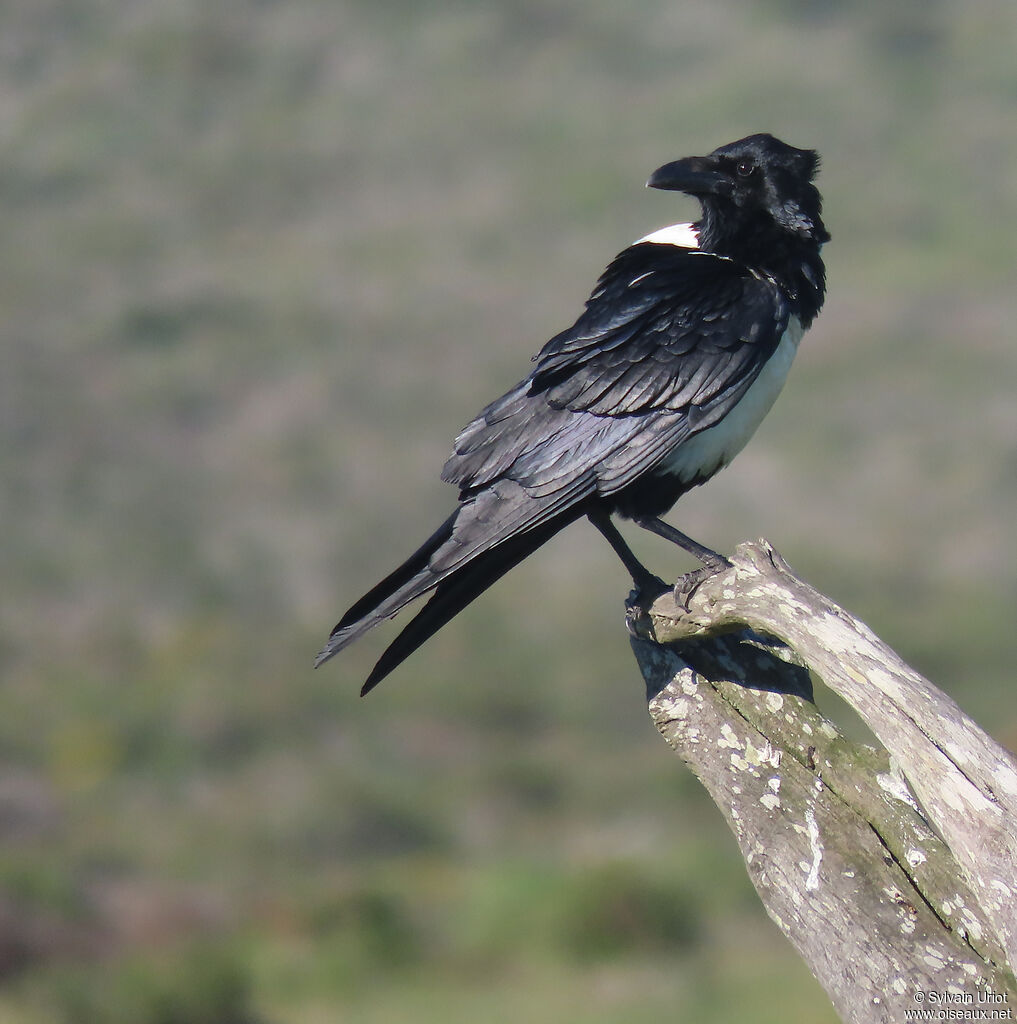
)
(411, 580)
(390, 587)
(459, 589)
(489, 533)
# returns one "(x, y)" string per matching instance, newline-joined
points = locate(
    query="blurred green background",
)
(259, 262)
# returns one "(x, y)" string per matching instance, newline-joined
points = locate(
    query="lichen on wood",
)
(892, 870)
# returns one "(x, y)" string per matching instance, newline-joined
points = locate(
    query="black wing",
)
(669, 342)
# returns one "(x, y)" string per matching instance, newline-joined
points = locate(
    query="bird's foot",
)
(647, 588)
(688, 584)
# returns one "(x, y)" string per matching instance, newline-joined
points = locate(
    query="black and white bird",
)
(681, 350)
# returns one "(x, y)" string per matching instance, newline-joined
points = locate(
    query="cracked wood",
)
(892, 871)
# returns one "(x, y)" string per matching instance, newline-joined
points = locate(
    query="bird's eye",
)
(745, 168)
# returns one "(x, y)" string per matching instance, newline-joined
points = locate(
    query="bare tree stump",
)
(893, 872)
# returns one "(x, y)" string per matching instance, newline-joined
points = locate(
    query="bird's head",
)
(756, 191)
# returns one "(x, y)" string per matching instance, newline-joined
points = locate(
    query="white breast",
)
(711, 450)
(683, 235)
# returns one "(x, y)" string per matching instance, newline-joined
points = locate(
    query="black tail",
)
(466, 554)
(455, 592)
(412, 579)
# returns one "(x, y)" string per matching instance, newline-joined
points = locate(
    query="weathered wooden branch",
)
(893, 871)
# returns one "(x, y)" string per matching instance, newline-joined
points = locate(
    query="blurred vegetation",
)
(260, 262)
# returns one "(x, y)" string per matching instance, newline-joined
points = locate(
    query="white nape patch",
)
(712, 449)
(684, 235)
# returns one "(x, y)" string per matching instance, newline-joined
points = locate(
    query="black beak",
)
(696, 175)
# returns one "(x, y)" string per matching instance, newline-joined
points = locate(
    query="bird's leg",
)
(648, 585)
(712, 561)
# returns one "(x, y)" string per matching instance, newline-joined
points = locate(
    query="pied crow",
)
(677, 357)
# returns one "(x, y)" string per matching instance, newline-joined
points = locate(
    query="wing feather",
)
(654, 358)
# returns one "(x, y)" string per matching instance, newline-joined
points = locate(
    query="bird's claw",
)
(647, 589)
(688, 584)
(633, 614)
